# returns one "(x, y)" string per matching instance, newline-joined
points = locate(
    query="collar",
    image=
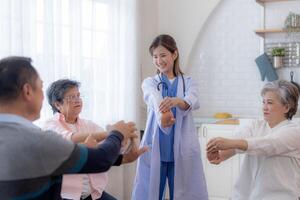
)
(12, 118)
(61, 118)
(280, 124)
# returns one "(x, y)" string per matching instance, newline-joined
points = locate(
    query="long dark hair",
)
(169, 43)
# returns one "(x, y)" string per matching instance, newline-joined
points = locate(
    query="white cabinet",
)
(220, 179)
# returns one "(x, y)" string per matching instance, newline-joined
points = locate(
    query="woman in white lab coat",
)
(272, 148)
(174, 150)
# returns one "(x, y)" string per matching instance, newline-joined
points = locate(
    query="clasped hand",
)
(167, 119)
(167, 103)
(214, 147)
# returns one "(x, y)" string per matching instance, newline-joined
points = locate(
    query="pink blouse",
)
(72, 185)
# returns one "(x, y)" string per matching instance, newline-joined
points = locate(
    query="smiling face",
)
(273, 109)
(163, 59)
(71, 105)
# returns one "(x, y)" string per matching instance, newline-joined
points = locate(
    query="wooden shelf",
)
(262, 32)
(262, 2)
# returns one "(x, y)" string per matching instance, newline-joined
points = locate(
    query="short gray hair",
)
(57, 91)
(287, 92)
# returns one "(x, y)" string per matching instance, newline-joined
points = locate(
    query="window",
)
(76, 39)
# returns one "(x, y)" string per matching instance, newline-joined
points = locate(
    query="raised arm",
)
(82, 159)
(284, 142)
(190, 101)
(153, 98)
(70, 135)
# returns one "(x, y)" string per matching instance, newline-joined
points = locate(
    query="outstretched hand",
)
(133, 153)
(218, 143)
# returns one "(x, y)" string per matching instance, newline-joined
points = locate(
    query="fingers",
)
(128, 130)
(214, 144)
(132, 126)
(210, 146)
(167, 119)
(130, 123)
(166, 104)
(214, 157)
(171, 122)
(90, 141)
(142, 150)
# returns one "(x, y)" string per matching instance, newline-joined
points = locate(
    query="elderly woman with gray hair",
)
(271, 146)
(65, 100)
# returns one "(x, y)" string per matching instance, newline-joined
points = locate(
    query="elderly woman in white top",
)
(271, 146)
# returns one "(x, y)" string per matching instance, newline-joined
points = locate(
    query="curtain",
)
(91, 41)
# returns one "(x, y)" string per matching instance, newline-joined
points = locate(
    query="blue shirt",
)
(16, 119)
(166, 141)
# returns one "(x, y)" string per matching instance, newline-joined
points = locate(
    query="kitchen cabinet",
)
(220, 179)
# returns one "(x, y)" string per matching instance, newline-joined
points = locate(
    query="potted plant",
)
(278, 53)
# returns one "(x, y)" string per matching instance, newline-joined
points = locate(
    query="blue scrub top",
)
(166, 141)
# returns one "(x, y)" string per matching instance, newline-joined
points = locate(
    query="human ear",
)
(27, 91)
(175, 55)
(57, 105)
(287, 108)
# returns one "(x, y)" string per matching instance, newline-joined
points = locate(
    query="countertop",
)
(230, 121)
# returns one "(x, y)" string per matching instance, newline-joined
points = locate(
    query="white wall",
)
(184, 20)
(223, 60)
(181, 19)
(223, 57)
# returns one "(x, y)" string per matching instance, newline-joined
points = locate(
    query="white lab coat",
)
(189, 180)
(271, 167)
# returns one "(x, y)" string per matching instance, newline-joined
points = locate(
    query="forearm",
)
(81, 137)
(276, 145)
(220, 143)
(104, 156)
(226, 154)
(240, 144)
(183, 105)
(99, 136)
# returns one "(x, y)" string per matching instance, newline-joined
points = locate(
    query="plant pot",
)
(277, 61)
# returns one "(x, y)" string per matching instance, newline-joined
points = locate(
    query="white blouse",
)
(271, 166)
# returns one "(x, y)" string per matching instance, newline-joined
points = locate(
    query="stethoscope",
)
(165, 85)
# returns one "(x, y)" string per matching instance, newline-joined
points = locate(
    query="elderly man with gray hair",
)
(271, 146)
(32, 160)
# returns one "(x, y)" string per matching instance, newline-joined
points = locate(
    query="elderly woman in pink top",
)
(65, 100)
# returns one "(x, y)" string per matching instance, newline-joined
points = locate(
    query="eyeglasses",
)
(73, 98)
